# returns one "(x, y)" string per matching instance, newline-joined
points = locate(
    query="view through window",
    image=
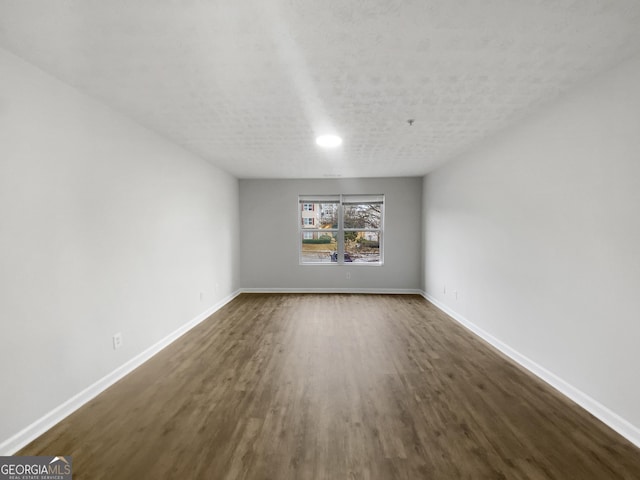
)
(339, 229)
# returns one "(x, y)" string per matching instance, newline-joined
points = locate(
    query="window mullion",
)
(340, 234)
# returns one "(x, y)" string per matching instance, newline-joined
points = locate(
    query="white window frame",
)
(341, 200)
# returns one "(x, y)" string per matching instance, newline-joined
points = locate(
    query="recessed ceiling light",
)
(328, 141)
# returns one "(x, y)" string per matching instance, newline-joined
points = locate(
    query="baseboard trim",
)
(595, 408)
(40, 426)
(382, 291)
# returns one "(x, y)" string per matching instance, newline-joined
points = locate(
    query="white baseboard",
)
(40, 426)
(608, 417)
(383, 291)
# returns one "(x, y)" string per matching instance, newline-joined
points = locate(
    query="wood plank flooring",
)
(334, 387)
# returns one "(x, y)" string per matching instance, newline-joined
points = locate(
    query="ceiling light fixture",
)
(328, 141)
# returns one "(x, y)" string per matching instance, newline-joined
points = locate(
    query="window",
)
(362, 227)
(339, 229)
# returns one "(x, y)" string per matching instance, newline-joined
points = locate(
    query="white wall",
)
(538, 231)
(104, 228)
(269, 209)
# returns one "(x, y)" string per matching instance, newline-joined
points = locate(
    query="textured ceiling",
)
(249, 84)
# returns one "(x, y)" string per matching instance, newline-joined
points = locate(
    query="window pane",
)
(319, 215)
(362, 247)
(363, 215)
(318, 248)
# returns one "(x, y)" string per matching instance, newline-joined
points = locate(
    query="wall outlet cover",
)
(117, 341)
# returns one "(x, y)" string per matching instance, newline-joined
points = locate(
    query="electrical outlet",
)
(117, 341)
(348, 275)
(444, 289)
(217, 287)
(455, 294)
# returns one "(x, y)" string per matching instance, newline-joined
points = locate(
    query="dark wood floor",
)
(334, 387)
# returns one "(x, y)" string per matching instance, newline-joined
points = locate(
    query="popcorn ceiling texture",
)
(248, 85)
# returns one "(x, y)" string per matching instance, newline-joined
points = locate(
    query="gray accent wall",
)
(269, 239)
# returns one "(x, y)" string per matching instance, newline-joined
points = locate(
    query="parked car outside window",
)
(347, 257)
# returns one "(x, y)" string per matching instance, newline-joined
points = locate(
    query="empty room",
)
(320, 240)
